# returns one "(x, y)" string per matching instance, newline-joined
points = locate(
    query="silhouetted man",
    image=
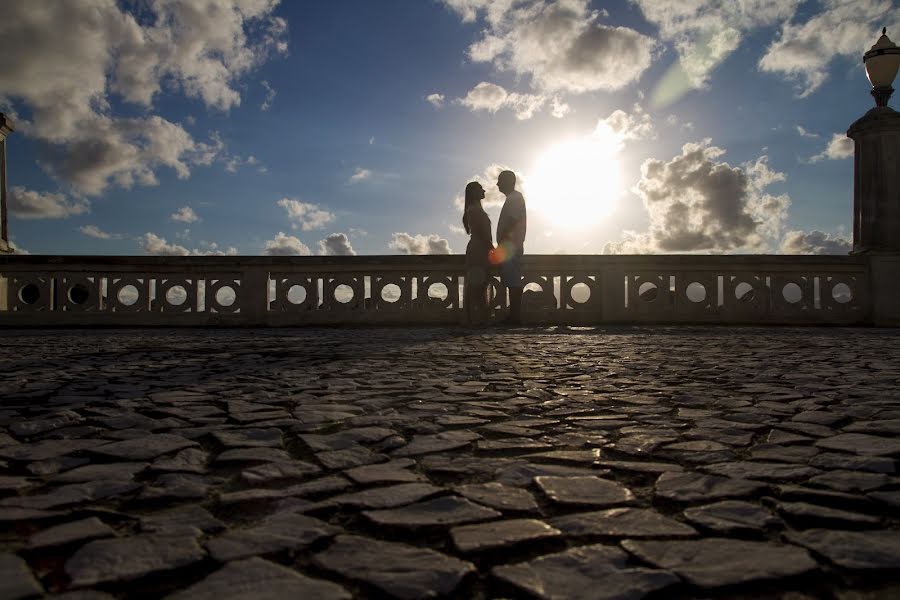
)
(511, 243)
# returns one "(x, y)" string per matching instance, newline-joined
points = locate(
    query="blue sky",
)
(350, 126)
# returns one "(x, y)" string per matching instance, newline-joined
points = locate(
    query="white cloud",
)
(95, 232)
(336, 244)
(807, 134)
(560, 44)
(286, 245)
(458, 229)
(698, 203)
(360, 174)
(492, 97)
(623, 126)
(706, 32)
(419, 244)
(124, 152)
(157, 246)
(675, 121)
(840, 147)
(847, 28)
(270, 96)
(436, 100)
(305, 215)
(814, 242)
(485, 96)
(233, 162)
(468, 9)
(185, 214)
(559, 109)
(213, 249)
(29, 204)
(64, 60)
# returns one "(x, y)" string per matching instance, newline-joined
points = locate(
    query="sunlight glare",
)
(576, 183)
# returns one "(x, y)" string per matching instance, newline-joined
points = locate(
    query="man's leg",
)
(515, 305)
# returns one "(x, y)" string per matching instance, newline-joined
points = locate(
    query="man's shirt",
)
(513, 219)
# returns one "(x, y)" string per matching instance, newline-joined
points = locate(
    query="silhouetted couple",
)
(481, 253)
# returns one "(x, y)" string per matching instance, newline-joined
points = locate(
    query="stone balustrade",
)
(562, 289)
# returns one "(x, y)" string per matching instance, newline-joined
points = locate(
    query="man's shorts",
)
(511, 271)
(476, 275)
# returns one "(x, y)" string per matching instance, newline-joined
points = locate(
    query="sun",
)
(577, 182)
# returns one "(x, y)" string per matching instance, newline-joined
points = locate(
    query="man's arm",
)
(514, 230)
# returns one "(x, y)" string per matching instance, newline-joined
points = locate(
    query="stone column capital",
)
(878, 120)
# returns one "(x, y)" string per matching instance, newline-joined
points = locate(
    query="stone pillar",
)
(876, 181)
(876, 208)
(6, 128)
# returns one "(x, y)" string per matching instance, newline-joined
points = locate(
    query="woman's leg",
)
(468, 301)
(480, 297)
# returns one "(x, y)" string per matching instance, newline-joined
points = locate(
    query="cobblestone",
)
(371, 463)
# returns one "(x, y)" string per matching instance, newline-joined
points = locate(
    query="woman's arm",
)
(483, 225)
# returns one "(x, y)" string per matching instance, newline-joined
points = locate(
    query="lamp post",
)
(6, 127)
(876, 137)
(876, 184)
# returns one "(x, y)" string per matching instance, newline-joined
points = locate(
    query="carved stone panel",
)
(30, 292)
(78, 293)
(538, 300)
(218, 294)
(392, 292)
(568, 283)
(128, 294)
(304, 298)
(431, 283)
(843, 294)
(176, 294)
(337, 296)
(650, 293)
(696, 293)
(793, 293)
(745, 294)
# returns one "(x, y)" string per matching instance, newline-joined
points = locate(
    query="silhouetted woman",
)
(481, 243)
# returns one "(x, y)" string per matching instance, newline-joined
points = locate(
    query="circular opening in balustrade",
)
(648, 292)
(128, 295)
(225, 295)
(438, 291)
(842, 293)
(343, 293)
(29, 294)
(581, 293)
(296, 294)
(78, 294)
(744, 292)
(390, 293)
(695, 292)
(792, 293)
(176, 295)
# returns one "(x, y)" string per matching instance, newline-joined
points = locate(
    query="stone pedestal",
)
(876, 208)
(884, 286)
(876, 184)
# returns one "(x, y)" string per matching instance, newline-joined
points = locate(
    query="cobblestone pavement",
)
(408, 463)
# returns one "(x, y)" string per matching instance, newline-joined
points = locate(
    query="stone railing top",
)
(670, 261)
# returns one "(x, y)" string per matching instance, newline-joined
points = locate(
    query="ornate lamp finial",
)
(882, 62)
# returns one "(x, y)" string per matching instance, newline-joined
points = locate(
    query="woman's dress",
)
(481, 242)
